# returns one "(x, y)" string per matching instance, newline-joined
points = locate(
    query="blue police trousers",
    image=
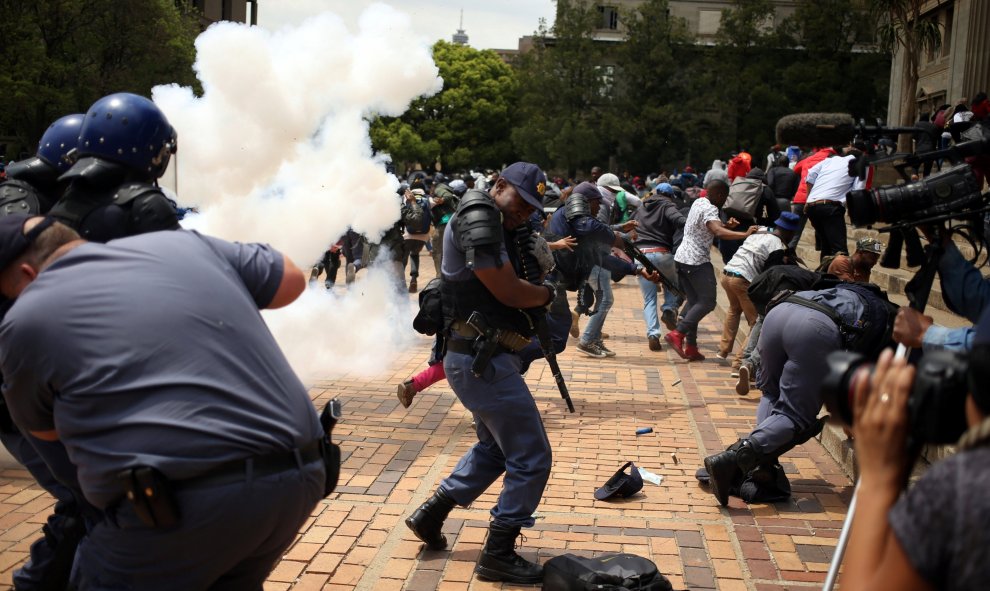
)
(511, 439)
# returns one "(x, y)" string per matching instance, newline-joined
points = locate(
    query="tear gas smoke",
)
(277, 150)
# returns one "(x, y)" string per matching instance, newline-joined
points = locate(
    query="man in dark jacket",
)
(660, 223)
(783, 182)
(443, 204)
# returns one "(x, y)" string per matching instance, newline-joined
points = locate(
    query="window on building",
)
(709, 21)
(947, 32)
(610, 17)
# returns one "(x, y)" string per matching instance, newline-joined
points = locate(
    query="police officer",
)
(481, 284)
(797, 335)
(124, 146)
(191, 432)
(32, 188)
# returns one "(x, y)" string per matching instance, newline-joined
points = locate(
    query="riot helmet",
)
(59, 139)
(130, 130)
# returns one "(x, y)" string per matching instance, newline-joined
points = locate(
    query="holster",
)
(150, 493)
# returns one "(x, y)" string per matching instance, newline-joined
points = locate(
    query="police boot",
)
(726, 469)
(499, 561)
(427, 521)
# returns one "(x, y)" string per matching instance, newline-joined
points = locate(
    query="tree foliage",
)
(59, 56)
(465, 124)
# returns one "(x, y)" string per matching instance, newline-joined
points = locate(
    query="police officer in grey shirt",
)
(148, 359)
(481, 278)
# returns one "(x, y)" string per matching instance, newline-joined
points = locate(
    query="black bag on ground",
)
(608, 572)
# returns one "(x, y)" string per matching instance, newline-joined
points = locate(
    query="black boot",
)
(727, 469)
(427, 521)
(499, 561)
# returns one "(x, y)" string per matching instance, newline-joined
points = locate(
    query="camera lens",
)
(845, 370)
(862, 206)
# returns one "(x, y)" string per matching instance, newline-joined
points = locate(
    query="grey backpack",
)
(744, 198)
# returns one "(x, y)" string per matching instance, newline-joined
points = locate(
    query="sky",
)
(489, 24)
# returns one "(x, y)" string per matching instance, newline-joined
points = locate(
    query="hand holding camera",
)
(881, 425)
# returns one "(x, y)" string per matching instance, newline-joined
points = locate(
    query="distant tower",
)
(460, 37)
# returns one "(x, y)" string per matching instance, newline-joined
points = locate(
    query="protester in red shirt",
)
(739, 165)
(801, 197)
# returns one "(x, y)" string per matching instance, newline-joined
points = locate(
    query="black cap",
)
(589, 190)
(528, 180)
(13, 240)
(621, 485)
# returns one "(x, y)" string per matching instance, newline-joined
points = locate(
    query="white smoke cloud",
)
(277, 150)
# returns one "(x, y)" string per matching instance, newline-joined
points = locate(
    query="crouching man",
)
(798, 333)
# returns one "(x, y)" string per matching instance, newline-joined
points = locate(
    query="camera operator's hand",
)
(910, 327)
(881, 424)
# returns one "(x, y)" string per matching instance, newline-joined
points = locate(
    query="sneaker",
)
(606, 351)
(413, 287)
(676, 340)
(669, 319)
(328, 284)
(406, 392)
(722, 356)
(735, 373)
(742, 384)
(655, 344)
(575, 329)
(591, 350)
(691, 353)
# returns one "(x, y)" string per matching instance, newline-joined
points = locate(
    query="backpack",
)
(429, 319)
(779, 278)
(424, 226)
(608, 572)
(744, 199)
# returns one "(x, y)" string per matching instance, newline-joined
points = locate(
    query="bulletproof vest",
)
(20, 197)
(103, 213)
(461, 298)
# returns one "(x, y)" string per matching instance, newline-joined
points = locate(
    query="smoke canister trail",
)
(277, 150)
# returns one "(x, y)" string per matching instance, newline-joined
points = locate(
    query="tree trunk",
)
(909, 88)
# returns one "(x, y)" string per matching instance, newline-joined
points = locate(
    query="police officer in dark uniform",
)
(32, 188)
(125, 143)
(483, 295)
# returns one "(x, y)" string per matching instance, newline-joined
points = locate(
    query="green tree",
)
(59, 56)
(465, 124)
(566, 89)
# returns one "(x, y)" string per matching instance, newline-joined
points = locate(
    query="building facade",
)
(242, 11)
(958, 70)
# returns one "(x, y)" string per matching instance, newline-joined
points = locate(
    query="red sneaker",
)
(691, 353)
(676, 340)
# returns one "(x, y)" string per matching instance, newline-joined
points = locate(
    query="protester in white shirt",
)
(828, 182)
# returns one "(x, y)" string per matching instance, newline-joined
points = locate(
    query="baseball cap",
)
(610, 182)
(528, 180)
(788, 221)
(13, 240)
(458, 186)
(869, 245)
(589, 190)
(621, 485)
(665, 189)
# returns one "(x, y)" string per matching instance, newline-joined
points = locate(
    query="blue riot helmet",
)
(128, 129)
(60, 137)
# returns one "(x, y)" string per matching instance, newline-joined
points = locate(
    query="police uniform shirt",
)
(150, 350)
(454, 263)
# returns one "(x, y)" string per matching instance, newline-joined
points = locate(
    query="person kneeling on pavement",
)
(799, 331)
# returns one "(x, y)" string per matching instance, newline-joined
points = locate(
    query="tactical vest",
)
(101, 214)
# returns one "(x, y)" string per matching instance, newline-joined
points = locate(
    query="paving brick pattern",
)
(394, 458)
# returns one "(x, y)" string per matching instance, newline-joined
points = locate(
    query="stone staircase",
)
(893, 281)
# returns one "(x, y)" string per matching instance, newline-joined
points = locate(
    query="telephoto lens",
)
(936, 403)
(951, 191)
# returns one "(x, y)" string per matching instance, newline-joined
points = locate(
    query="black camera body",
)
(949, 193)
(936, 403)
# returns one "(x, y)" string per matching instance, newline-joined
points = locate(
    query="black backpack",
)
(608, 572)
(429, 319)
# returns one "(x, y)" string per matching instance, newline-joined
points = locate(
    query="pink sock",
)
(428, 377)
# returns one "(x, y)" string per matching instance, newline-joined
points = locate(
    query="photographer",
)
(935, 535)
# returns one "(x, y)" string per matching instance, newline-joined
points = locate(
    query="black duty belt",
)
(253, 467)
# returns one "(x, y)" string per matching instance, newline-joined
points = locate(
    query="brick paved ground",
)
(394, 459)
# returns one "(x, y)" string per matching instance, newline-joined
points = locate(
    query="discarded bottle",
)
(644, 430)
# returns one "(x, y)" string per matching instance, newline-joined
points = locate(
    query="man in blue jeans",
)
(659, 222)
